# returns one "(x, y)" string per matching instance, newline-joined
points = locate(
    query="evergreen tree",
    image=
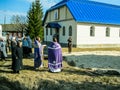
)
(35, 15)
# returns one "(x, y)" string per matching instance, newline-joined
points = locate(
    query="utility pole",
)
(4, 22)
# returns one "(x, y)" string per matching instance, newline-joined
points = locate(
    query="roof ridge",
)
(63, 2)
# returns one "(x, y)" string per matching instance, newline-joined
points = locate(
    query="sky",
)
(8, 8)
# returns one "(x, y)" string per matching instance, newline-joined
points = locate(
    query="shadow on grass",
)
(78, 72)
(31, 68)
(64, 85)
(5, 71)
(6, 66)
(89, 72)
(6, 84)
(27, 67)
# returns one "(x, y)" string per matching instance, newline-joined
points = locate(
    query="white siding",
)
(63, 39)
(83, 35)
(48, 37)
(62, 13)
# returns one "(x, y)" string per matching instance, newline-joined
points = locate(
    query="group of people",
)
(54, 55)
(20, 48)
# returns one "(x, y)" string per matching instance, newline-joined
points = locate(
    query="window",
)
(46, 31)
(70, 30)
(107, 32)
(50, 31)
(92, 31)
(56, 14)
(63, 30)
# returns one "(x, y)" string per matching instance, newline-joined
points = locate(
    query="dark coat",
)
(17, 65)
(19, 57)
(70, 45)
(69, 42)
(13, 50)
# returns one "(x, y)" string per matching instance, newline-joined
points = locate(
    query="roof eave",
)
(102, 23)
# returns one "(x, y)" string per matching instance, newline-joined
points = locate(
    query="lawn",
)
(90, 49)
(71, 78)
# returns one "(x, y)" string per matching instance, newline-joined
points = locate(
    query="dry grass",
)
(90, 49)
(70, 78)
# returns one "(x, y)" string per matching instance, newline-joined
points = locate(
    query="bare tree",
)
(20, 23)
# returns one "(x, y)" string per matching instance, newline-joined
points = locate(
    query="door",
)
(57, 34)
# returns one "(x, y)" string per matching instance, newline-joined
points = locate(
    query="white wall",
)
(63, 39)
(83, 34)
(48, 37)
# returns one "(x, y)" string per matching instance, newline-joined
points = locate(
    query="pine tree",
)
(35, 16)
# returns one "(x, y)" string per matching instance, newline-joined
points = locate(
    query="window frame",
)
(92, 31)
(70, 30)
(107, 33)
(46, 31)
(63, 33)
(50, 31)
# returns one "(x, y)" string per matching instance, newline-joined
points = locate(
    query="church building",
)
(89, 23)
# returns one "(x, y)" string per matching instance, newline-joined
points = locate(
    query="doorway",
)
(57, 33)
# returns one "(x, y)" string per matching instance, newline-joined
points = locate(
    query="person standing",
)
(3, 50)
(54, 56)
(69, 45)
(13, 50)
(29, 45)
(37, 53)
(8, 45)
(17, 65)
(25, 47)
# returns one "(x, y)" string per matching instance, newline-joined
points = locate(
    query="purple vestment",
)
(37, 54)
(54, 56)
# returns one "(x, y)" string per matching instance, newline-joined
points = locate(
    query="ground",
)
(71, 78)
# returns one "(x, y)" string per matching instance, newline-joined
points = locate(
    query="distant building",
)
(11, 29)
(89, 23)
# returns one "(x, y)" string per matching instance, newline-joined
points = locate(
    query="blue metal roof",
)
(91, 12)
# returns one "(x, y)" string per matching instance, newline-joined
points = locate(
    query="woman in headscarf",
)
(13, 50)
(54, 56)
(17, 63)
